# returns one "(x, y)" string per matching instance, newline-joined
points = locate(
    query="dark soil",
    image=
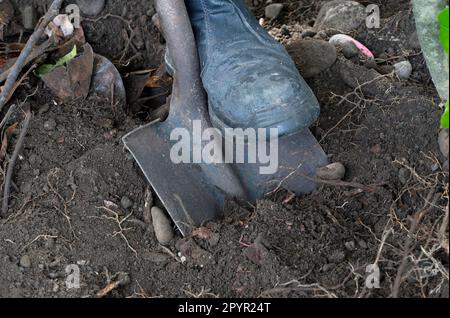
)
(73, 165)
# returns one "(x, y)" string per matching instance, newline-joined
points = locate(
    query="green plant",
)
(47, 68)
(443, 18)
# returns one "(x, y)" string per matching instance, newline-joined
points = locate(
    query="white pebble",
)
(403, 69)
(162, 226)
(334, 171)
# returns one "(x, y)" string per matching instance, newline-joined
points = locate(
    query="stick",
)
(21, 60)
(12, 162)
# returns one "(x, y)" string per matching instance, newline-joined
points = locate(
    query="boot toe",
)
(265, 92)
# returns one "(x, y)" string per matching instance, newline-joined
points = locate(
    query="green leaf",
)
(48, 68)
(444, 29)
(444, 119)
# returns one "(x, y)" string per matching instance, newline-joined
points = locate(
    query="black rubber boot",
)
(251, 80)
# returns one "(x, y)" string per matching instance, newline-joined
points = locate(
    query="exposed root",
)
(119, 221)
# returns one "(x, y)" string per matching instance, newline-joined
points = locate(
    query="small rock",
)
(348, 47)
(443, 142)
(309, 33)
(403, 69)
(341, 15)
(162, 226)
(91, 8)
(334, 171)
(50, 125)
(351, 47)
(126, 202)
(25, 261)
(273, 10)
(312, 56)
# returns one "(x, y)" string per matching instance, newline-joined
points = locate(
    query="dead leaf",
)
(8, 134)
(157, 81)
(202, 233)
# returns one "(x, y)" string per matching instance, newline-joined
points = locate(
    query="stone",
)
(334, 171)
(91, 8)
(25, 261)
(273, 10)
(162, 226)
(348, 47)
(403, 69)
(312, 56)
(344, 16)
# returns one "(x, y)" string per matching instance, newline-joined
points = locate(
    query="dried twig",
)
(121, 280)
(12, 162)
(430, 203)
(21, 60)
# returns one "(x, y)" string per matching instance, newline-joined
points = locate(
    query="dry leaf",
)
(8, 134)
(157, 81)
(202, 233)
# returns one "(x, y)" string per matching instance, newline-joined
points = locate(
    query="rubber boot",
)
(250, 79)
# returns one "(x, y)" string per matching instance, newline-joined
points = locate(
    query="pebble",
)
(50, 125)
(403, 69)
(312, 56)
(334, 171)
(273, 10)
(350, 46)
(344, 16)
(162, 226)
(126, 202)
(349, 49)
(309, 33)
(91, 8)
(25, 261)
(443, 142)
